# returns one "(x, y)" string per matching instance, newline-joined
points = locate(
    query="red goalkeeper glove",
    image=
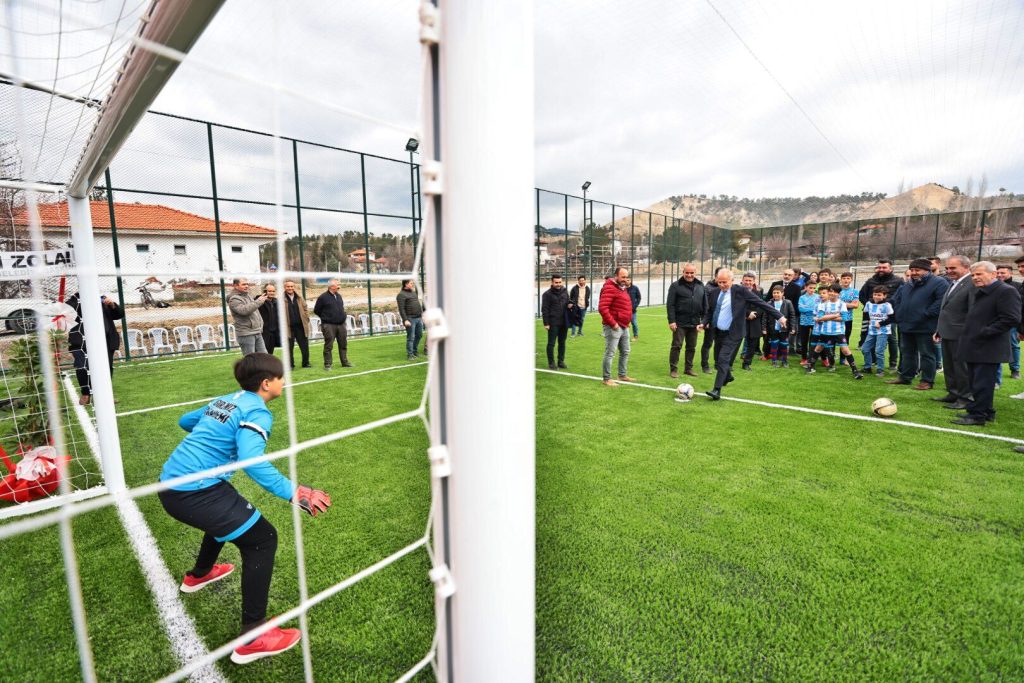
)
(313, 501)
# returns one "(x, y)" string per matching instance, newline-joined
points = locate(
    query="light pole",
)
(590, 250)
(411, 146)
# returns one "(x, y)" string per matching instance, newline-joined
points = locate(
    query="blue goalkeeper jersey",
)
(807, 304)
(848, 295)
(231, 428)
(829, 327)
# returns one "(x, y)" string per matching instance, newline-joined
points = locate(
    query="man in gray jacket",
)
(248, 322)
(411, 310)
(952, 315)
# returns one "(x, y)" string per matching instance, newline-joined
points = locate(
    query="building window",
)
(142, 248)
(235, 249)
(179, 249)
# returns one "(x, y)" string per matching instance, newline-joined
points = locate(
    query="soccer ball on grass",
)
(884, 407)
(684, 392)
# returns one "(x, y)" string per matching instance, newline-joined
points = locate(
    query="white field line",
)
(815, 411)
(178, 625)
(51, 502)
(216, 353)
(293, 384)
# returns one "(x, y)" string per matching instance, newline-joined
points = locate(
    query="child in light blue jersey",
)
(850, 297)
(235, 428)
(807, 303)
(829, 330)
(880, 314)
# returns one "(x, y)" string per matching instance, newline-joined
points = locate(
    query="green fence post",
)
(895, 232)
(650, 255)
(298, 220)
(981, 232)
(216, 226)
(117, 263)
(935, 247)
(366, 242)
(536, 232)
(856, 253)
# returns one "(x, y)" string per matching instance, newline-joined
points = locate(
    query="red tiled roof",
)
(140, 217)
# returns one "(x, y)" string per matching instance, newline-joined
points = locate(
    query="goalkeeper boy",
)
(235, 427)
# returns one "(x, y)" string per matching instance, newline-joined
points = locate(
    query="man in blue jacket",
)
(917, 305)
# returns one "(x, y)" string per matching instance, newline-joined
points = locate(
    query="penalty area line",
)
(814, 411)
(181, 631)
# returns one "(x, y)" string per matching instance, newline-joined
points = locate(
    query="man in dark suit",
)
(985, 344)
(952, 314)
(726, 320)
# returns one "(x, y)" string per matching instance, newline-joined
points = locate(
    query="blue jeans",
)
(917, 353)
(1014, 356)
(615, 339)
(578, 329)
(874, 350)
(636, 330)
(413, 334)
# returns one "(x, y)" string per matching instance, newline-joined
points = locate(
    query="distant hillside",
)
(736, 212)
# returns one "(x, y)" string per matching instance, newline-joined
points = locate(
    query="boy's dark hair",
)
(775, 289)
(810, 284)
(846, 275)
(405, 282)
(880, 290)
(825, 270)
(1019, 259)
(251, 370)
(1006, 267)
(835, 288)
(823, 287)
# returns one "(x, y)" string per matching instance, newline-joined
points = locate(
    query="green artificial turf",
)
(718, 540)
(698, 541)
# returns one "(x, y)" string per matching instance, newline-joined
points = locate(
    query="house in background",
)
(157, 240)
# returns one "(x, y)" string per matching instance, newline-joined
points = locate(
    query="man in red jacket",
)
(616, 309)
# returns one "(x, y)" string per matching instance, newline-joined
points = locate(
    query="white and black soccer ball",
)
(684, 392)
(884, 407)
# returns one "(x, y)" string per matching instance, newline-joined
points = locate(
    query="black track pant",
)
(213, 511)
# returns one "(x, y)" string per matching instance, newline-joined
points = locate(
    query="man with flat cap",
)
(917, 303)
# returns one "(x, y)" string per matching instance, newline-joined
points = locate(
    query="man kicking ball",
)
(235, 427)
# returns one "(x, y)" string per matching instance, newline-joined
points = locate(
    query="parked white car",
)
(19, 315)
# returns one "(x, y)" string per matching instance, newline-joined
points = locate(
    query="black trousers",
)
(753, 343)
(298, 336)
(983, 386)
(272, 340)
(726, 348)
(556, 333)
(679, 336)
(80, 357)
(705, 347)
(955, 373)
(257, 545)
(805, 340)
(334, 332)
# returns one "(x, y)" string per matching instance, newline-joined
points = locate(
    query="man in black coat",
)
(554, 311)
(271, 327)
(952, 316)
(883, 277)
(76, 341)
(792, 284)
(985, 343)
(727, 321)
(686, 305)
(331, 309)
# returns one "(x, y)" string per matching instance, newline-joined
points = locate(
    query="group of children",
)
(826, 324)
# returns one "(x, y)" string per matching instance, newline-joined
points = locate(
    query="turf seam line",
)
(181, 631)
(293, 384)
(815, 411)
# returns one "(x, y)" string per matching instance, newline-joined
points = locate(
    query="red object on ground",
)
(15, 490)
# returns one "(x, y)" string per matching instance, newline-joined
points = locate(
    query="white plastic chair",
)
(391, 322)
(205, 337)
(364, 324)
(378, 323)
(161, 340)
(136, 342)
(351, 326)
(314, 328)
(184, 338)
(231, 333)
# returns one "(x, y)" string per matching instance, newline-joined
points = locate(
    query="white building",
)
(171, 245)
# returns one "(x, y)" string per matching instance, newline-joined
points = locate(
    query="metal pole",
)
(117, 264)
(895, 232)
(283, 258)
(536, 232)
(590, 251)
(216, 226)
(488, 94)
(702, 240)
(856, 255)
(614, 262)
(650, 256)
(632, 248)
(791, 229)
(935, 247)
(981, 232)
(565, 242)
(79, 212)
(366, 242)
(664, 257)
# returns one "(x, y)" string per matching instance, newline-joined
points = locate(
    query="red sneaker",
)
(273, 642)
(191, 584)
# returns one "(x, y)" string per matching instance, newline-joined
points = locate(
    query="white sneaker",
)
(1020, 395)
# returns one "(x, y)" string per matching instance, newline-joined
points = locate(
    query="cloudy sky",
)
(646, 98)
